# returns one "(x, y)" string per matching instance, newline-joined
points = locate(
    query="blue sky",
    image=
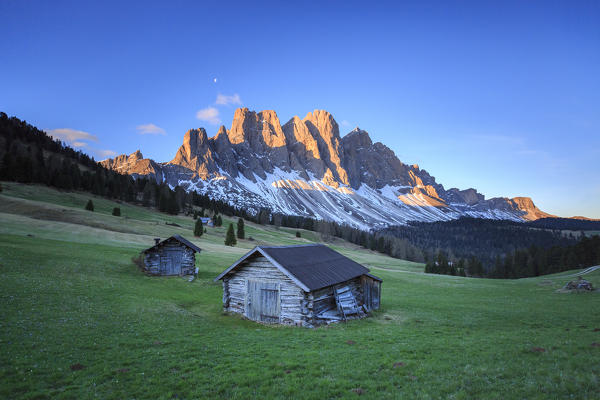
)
(497, 95)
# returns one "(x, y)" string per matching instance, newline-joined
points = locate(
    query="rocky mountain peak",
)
(256, 129)
(524, 202)
(136, 155)
(195, 153)
(305, 168)
(195, 137)
(325, 130)
(469, 196)
(531, 211)
(194, 143)
(296, 131)
(357, 137)
(240, 125)
(321, 122)
(222, 131)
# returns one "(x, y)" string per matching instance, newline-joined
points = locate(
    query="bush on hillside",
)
(90, 205)
(138, 261)
(116, 212)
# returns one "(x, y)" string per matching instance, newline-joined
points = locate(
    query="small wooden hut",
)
(173, 256)
(304, 285)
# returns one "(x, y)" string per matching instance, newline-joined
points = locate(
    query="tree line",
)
(499, 249)
(29, 155)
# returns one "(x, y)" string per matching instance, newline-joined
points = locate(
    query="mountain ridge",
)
(305, 167)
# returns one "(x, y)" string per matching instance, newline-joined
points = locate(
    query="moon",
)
(215, 80)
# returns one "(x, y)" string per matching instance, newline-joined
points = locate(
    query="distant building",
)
(303, 285)
(207, 221)
(173, 256)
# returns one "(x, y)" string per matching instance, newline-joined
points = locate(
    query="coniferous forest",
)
(29, 155)
(467, 246)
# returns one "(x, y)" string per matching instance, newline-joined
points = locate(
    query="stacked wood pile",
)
(579, 285)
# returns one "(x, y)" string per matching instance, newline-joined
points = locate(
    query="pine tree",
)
(298, 234)
(90, 205)
(172, 206)
(163, 200)
(442, 261)
(230, 237)
(116, 212)
(372, 243)
(147, 194)
(198, 229)
(460, 267)
(219, 221)
(215, 219)
(429, 268)
(240, 229)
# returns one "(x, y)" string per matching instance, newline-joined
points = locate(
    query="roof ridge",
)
(291, 245)
(181, 240)
(310, 266)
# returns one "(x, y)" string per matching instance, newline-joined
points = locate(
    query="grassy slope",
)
(70, 294)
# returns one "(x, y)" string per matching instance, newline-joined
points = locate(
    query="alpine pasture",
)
(79, 320)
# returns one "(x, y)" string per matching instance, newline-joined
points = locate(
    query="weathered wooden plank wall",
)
(371, 292)
(235, 289)
(170, 259)
(295, 306)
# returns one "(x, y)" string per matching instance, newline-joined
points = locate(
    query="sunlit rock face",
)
(306, 168)
(325, 130)
(196, 154)
(531, 211)
(303, 149)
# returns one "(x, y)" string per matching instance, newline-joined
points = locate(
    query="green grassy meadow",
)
(70, 296)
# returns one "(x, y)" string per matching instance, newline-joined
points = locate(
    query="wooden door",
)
(170, 262)
(165, 263)
(176, 258)
(263, 301)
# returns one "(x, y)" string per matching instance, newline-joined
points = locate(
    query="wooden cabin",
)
(305, 285)
(173, 256)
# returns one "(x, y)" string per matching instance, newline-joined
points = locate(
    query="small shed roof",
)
(312, 266)
(178, 238)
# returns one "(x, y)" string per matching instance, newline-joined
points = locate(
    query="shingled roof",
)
(178, 238)
(312, 267)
